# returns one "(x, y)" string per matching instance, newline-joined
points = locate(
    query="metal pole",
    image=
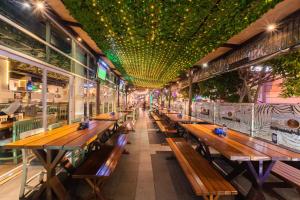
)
(98, 98)
(44, 99)
(190, 93)
(252, 119)
(169, 103)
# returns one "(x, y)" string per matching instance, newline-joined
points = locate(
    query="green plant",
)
(150, 41)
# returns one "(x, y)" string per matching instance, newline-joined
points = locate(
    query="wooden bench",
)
(164, 128)
(287, 173)
(204, 179)
(101, 163)
(155, 117)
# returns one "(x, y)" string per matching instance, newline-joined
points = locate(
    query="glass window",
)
(92, 98)
(60, 40)
(24, 16)
(57, 98)
(81, 55)
(20, 106)
(80, 96)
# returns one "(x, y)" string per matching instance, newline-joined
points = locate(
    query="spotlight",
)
(271, 27)
(40, 5)
(204, 65)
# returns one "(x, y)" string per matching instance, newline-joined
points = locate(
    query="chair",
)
(3, 118)
(20, 127)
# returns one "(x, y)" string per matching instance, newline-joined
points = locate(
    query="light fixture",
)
(271, 27)
(68, 39)
(79, 39)
(204, 65)
(40, 5)
(26, 5)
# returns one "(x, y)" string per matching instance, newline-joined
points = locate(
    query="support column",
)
(169, 99)
(126, 91)
(98, 100)
(44, 99)
(118, 91)
(190, 93)
(48, 39)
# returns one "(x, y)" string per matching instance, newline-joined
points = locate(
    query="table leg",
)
(259, 176)
(50, 159)
(203, 149)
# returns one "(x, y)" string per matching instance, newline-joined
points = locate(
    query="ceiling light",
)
(79, 39)
(40, 5)
(271, 27)
(68, 39)
(205, 65)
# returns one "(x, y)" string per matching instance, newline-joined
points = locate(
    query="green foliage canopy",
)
(151, 41)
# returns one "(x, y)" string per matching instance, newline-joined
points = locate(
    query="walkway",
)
(144, 174)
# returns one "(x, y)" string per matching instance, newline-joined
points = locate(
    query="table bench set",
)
(254, 158)
(101, 155)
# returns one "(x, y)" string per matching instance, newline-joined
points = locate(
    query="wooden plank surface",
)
(273, 151)
(88, 137)
(67, 136)
(229, 148)
(108, 117)
(204, 179)
(22, 143)
(184, 118)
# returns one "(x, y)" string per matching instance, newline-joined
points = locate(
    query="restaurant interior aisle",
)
(147, 173)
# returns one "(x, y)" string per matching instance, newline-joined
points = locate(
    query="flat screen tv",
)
(101, 71)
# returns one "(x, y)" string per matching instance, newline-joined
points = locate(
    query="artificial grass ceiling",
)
(152, 41)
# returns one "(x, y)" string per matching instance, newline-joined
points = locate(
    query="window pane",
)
(57, 99)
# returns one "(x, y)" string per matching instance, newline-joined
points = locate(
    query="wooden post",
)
(190, 93)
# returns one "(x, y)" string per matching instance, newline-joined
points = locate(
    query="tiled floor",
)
(144, 174)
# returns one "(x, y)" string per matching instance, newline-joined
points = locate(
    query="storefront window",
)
(20, 106)
(57, 98)
(80, 96)
(92, 99)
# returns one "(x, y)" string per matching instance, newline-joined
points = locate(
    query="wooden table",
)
(254, 155)
(108, 117)
(165, 111)
(183, 119)
(50, 148)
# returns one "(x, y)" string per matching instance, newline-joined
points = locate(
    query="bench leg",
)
(96, 188)
(211, 197)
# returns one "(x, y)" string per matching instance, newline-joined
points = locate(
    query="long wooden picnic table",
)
(184, 119)
(50, 148)
(256, 156)
(109, 117)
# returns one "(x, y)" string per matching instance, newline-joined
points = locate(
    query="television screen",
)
(101, 72)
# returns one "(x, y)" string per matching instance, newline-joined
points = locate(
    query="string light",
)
(151, 44)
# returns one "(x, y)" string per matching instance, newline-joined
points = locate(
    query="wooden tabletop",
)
(184, 118)
(63, 138)
(238, 146)
(108, 117)
(166, 111)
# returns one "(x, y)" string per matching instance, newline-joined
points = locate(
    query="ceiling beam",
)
(70, 23)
